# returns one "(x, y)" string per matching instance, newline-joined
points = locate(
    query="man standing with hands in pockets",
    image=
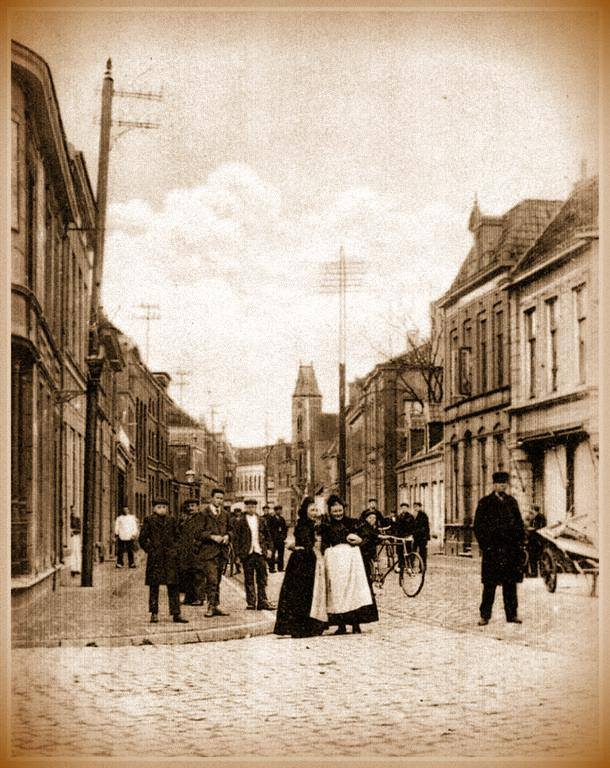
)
(212, 543)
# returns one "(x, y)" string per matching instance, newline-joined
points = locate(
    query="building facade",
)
(52, 240)
(477, 391)
(144, 398)
(376, 437)
(554, 434)
(251, 474)
(420, 473)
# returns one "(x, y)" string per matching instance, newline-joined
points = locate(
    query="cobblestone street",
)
(425, 681)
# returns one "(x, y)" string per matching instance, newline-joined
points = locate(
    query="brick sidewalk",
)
(115, 612)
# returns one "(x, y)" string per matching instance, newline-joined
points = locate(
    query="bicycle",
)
(411, 577)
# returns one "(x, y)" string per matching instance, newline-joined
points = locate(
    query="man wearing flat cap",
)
(159, 539)
(213, 548)
(278, 530)
(253, 544)
(499, 529)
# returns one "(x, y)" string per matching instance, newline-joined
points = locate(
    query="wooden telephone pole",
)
(94, 359)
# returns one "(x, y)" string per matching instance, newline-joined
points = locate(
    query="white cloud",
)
(236, 279)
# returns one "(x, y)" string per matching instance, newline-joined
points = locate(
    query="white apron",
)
(318, 601)
(347, 587)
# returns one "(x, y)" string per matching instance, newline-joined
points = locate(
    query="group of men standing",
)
(190, 555)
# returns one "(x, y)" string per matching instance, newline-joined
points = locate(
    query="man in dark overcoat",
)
(253, 543)
(499, 529)
(421, 531)
(278, 530)
(212, 542)
(192, 569)
(159, 539)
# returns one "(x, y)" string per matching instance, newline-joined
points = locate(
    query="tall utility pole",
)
(94, 359)
(183, 381)
(151, 312)
(339, 277)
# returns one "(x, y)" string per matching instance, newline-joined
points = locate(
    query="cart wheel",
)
(411, 579)
(548, 570)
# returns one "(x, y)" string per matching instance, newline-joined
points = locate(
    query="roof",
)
(176, 417)
(578, 214)
(250, 455)
(306, 385)
(503, 239)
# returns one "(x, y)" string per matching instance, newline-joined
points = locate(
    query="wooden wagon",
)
(568, 548)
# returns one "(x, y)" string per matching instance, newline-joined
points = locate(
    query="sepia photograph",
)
(304, 329)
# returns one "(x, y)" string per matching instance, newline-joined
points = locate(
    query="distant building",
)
(251, 474)
(375, 431)
(144, 395)
(554, 432)
(280, 479)
(477, 391)
(313, 432)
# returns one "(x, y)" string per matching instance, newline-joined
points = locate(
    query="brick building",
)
(554, 434)
(200, 460)
(475, 315)
(52, 240)
(375, 431)
(144, 398)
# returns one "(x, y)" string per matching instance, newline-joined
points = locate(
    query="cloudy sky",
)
(284, 135)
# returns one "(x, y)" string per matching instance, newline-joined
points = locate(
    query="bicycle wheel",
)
(411, 579)
(548, 570)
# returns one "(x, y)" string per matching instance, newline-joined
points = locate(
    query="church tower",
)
(306, 409)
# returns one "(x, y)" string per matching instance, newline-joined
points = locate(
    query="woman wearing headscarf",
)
(349, 599)
(301, 610)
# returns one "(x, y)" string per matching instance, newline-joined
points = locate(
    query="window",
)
(15, 149)
(483, 354)
(466, 359)
(498, 449)
(530, 356)
(454, 359)
(74, 328)
(499, 347)
(465, 371)
(580, 317)
(551, 316)
(482, 465)
(30, 227)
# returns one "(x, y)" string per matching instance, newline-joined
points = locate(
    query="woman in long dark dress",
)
(303, 593)
(349, 596)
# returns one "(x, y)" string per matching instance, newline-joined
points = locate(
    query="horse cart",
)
(568, 547)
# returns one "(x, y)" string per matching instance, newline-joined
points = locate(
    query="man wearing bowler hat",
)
(500, 532)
